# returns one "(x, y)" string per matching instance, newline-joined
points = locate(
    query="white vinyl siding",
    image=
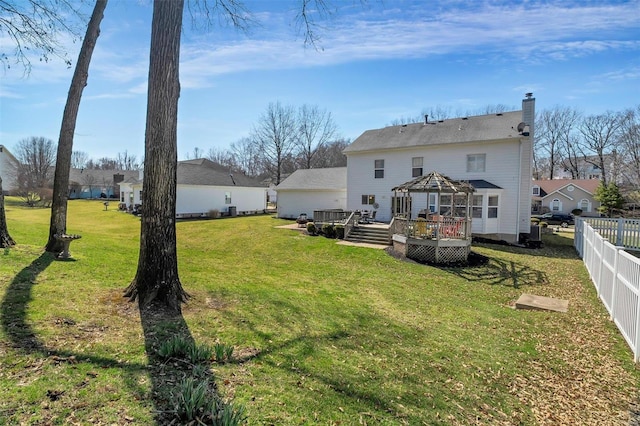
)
(193, 199)
(293, 202)
(505, 164)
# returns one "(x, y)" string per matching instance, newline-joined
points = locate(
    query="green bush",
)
(311, 228)
(544, 224)
(535, 220)
(576, 212)
(339, 231)
(329, 230)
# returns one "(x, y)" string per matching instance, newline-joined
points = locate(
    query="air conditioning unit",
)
(535, 241)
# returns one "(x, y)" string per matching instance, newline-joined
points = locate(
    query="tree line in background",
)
(604, 146)
(34, 173)
(284, 139)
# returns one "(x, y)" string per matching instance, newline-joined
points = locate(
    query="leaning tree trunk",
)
(58, 224)
(5, 238)
(157, 277)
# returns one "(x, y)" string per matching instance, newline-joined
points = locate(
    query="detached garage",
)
(312, 189)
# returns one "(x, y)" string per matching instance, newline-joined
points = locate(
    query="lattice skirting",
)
(433, 251)
(438, 254)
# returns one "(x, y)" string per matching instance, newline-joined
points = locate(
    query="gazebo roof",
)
(435, 182)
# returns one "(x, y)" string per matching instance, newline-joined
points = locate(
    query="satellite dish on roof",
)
(521, 126)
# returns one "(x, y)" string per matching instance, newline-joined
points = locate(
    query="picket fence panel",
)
(614, 272)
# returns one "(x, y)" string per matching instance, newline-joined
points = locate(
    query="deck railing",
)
(331, 216)
(614, 272)
(440, 228)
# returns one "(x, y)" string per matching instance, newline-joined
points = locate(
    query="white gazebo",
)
(442, 231)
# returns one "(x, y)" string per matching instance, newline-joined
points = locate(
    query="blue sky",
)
(378, 62)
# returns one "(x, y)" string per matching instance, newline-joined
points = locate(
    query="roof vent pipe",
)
(426, 119)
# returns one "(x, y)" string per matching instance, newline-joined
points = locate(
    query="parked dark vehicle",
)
(561, 219)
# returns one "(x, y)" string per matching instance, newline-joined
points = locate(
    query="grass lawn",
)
(323, 333)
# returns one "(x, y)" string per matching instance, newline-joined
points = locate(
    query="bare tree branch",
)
(35, 28)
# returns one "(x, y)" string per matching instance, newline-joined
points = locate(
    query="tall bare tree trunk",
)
(157, 278)
(5, 238)
(58, 224)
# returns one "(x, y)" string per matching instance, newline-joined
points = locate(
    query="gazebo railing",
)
(443, 227)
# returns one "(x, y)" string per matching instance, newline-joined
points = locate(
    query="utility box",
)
(233, 212)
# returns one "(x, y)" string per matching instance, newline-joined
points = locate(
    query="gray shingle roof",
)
(100, 177)
(331, 178)
(455, 130)
(205, 172)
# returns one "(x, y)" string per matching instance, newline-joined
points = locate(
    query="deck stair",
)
(371, 234)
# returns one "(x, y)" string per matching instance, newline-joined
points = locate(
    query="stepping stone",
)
(541, 303)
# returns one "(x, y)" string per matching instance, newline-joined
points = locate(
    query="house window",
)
(445, 204)
(121, 196)
(379, 169)
(433, 203)
(476, 207)
(536, 190)
(555, 205)
(492, 209)
(227, 197)
(368, 199)
(416, 166)
(460, 205)
(476, 162)
(401, 206)
(585, 205)
(140, 196)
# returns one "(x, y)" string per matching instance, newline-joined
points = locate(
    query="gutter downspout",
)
(519, 189)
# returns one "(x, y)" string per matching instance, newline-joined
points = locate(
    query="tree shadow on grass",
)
(501, 272)
(156, 323)
(372, 402)
(161, 325)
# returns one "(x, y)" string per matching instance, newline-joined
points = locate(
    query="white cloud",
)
(535, 33)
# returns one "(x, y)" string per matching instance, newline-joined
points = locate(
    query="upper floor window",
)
(476, 162)
(536, 190)
(416, 166)
(379, 169)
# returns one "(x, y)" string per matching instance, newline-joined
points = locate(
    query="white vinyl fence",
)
(614, 272)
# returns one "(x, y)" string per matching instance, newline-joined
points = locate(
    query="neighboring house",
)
(493, 151)
(565, 195)
(306, 190)
(202, 186)
(8, 170)
(587, 168)
(95, 183)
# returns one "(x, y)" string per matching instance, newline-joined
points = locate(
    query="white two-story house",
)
(493, 152)
(8, 170)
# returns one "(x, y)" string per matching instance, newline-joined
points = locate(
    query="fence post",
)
(636, 350)
(620, 232)
(612, 316)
